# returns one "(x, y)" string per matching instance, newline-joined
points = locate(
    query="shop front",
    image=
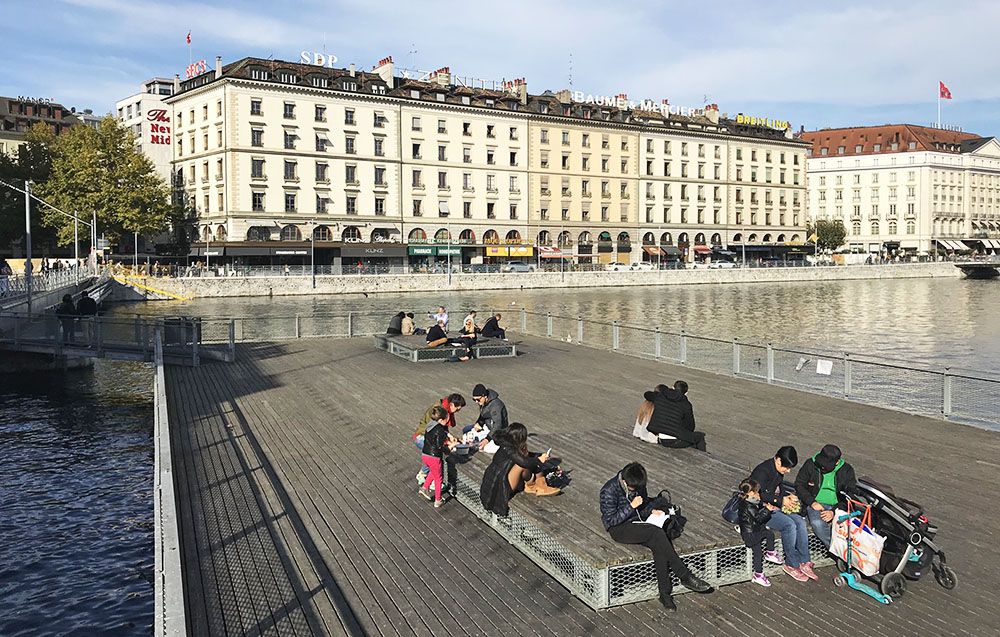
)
(371, 257)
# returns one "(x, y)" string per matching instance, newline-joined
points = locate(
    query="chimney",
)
(218, 67)
(384, 69)
(564, 96)
(351, 69)
(442, 76)
(712, 113)
(177, 83)
(522, 91)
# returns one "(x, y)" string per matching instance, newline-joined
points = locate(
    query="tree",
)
(830, 234)
(101, 170)
(33, 162)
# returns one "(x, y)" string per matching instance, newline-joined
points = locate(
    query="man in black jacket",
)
(673, 417)
(823, 483)
(624, 503)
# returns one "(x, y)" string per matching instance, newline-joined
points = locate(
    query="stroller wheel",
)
(946, 577)
(893, 585)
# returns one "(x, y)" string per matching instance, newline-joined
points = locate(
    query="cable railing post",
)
(579, 330)
(297, 326)
(736, 356)
(614, 336)
(195, 337)
(684, 348)
(847, 375)
(658, 343)
(232, 340)
(99, 334)
(350, 324)
(548, 324)
(524, 321)
(770, 363)
(946, 392)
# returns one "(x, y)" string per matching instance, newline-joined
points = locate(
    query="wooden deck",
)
(299, 513)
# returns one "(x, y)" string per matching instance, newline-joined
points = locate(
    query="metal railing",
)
(964, 395)
(13, 286)
(125, 338)
(943, 392)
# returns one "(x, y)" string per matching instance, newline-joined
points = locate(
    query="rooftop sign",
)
(664, 107)
(762, 122)
(318, 59)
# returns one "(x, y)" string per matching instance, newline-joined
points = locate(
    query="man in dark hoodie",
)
(823, 483)
(673, 417)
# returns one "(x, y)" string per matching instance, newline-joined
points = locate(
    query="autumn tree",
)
(830, 234)
(101, 170)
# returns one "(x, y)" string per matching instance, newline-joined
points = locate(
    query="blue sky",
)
(815, 64)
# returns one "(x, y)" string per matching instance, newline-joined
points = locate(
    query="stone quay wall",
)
(236, 286)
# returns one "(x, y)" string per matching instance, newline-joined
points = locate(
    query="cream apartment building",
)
(907, 188)
(375, 165)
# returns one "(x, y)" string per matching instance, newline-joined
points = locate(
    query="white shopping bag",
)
(857, 535)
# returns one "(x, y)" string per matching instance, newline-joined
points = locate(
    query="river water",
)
(76, 470)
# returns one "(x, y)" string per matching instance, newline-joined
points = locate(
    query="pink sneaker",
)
(796, 573)
(760, 578)
(807, 570)
(773, 557)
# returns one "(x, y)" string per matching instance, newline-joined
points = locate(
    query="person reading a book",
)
(629, 518)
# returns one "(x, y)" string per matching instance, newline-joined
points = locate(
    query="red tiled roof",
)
(907, 138)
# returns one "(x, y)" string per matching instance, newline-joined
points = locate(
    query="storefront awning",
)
(548, 252)
(950, 244)
(653, 251)
(699, 249)
(671, 251)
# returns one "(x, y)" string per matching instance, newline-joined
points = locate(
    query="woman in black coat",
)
(512, 470)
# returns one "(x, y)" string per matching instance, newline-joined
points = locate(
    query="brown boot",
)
(531, 485)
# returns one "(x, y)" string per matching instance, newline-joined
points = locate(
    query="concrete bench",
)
(415, 350)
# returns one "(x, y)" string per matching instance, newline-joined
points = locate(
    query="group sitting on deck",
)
(402, 324)
(764, 504)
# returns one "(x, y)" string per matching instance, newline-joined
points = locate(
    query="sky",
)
(816, 64)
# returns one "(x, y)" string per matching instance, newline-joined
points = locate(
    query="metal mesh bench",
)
(564, 536)
(414, 348)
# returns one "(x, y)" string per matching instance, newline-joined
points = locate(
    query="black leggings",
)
(753, 542)
(677, 443)
(665, 558)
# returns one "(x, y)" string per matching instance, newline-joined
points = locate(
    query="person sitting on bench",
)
(513, 470)
(625, 503)
(673, 417)
(492, 329)
(436, 335)
(396, 324)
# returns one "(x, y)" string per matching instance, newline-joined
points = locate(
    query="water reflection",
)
(935, 321)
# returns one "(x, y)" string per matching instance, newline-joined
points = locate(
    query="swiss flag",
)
(943, 91)
(189, 42)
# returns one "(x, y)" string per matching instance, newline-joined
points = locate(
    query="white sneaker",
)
(421, 476)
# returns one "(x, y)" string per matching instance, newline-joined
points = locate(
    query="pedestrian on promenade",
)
(437, 443)
(753, 529)
(86, 309)
(66, 313)
(452, 403)
(440, 316)
(396, 324)
(513, 469)
(625, 504)
(492, 329)
(673, 417)
(436, 335)
(786, 519)
(823, 483)
(642, 419)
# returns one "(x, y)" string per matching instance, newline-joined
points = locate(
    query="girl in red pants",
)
(437, 442)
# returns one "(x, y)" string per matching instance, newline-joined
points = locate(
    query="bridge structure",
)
(980, 269)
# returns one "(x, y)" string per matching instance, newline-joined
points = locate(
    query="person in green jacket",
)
(823, 483)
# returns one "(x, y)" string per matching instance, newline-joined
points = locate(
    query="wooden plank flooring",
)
(299, 514)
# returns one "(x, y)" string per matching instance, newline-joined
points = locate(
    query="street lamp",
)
(312, 250)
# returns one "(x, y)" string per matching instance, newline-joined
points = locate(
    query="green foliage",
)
(32, 162)
(830, 234)
(101, 170)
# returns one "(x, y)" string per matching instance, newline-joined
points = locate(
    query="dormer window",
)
(415, 94)
(350, 86)
(544, 109)
(466, 100)
(440, 97)
(258, 74)
(490, 101)
(320, 82)
(287, 77)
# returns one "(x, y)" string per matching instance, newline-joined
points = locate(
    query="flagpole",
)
(939, 108)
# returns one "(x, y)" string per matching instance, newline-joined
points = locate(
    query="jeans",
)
(794, 537)
(418, 442)
(665, 558)
(822, 529)
(753, 542)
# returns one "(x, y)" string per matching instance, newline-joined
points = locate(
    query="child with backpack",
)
(436, 444)
(753, 518)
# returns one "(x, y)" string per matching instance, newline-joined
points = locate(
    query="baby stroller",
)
(909, 547)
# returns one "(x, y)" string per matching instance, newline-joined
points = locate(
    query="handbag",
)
(731, 510)
(674, 526)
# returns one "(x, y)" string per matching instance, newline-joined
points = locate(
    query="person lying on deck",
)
(512, 470)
